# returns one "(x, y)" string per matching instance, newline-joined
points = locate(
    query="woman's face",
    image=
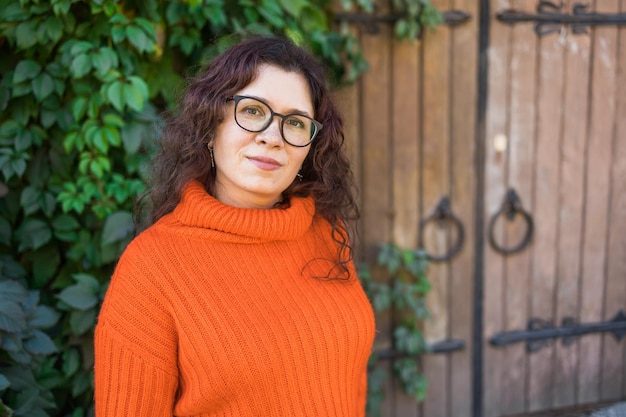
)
(254, 168)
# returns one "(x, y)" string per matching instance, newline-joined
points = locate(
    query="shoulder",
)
(141, 264)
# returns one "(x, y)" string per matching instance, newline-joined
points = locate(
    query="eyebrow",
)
(288, 111)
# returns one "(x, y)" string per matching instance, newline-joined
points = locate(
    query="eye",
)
(296, 122)
(252, 111)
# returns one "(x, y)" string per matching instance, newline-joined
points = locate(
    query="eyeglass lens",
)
(255, 116)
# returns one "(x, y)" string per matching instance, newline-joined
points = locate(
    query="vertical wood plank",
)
(521, 153)
(594, 251)
(464, 68)
(621, 117)
(495, 164)
(376, 188)
(376, 128)
(406, 121)
(545, 213)
(348, 99)
(598, 153)
(575, 109)
(435, 184)
(612, 383)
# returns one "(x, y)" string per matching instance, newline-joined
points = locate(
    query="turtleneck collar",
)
(199, 209)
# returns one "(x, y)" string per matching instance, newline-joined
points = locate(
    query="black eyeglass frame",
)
(237, 98)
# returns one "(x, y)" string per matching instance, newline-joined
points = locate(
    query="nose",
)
(271, 135)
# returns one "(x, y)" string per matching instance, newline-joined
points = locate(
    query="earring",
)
(299, 176)
(208, 145)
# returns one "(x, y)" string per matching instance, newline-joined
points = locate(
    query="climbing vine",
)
(398, 285)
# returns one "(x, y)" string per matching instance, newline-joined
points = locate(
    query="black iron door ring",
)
(511, 207)
(442, 213)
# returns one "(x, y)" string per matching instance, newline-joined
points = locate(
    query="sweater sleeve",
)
(135, 348)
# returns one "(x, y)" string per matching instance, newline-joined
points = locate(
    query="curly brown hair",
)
(183, 153)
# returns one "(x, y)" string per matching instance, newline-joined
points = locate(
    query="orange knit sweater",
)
(216, 311)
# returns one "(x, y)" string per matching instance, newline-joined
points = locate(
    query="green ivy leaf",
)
(23, 140)
(61, 7)
(112, 119)
(79, 296)
(4, 384)
(12, 317)
(313, 19)
(118, 34)
(73, 141)
(11, 270)
(54, 28)
(29, 200)
(11, 291)
(215, 13)
(104, 60)
(79, 107)
(133, 97)
(26, 34)
(26, 70)
(12, 12)
(47, 118)
(33, 234)
(294, 7)
(42, 86)
(48, 376)
(139, 39)
(12, 342)
(43, 317)
(94, 106)
(81, 48)
(45, 263)
(112, 135)
(81, 383)
(117, 227)
(81, 64)
(82, 321)
(65, 223)
(71, 362)
(147, 26)
(132, 135)
(115, 94)
(39, 343)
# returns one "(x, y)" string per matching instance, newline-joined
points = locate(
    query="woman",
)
(241, 299)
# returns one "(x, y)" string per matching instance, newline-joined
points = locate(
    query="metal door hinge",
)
(550, 18)
(540, 332)
(370, 21)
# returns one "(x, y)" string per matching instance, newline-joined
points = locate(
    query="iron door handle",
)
(511, 207)
(443, 213)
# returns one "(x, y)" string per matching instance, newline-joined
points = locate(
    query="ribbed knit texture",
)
(218, 311)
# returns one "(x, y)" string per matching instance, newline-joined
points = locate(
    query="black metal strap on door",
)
(511, 207)
(445, 346)
(370, 21)
(540, 332)
(550, 17)
(442, 215)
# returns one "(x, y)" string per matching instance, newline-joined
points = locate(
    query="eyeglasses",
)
(254, 115)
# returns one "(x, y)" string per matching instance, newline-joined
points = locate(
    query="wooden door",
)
(554, 133)
(477, 112)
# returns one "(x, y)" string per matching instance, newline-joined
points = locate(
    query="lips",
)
(264, 163)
